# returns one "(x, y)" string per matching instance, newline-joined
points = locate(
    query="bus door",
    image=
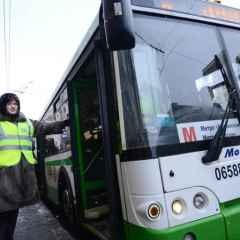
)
(88, 148)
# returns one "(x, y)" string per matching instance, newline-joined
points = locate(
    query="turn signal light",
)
(154, 211)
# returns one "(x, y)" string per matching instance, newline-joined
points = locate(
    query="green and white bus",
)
(153, 146)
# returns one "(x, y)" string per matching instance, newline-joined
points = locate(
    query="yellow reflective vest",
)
(16, 139)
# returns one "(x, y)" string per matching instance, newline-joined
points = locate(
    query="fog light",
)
(189, 236)
(200, 201)
(178, 207)
(154, 211)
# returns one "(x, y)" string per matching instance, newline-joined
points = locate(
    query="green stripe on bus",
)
(231, 213)
(67, 162)
(205, 229)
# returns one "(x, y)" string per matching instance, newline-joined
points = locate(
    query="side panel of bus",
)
(73, 159)
(80, 174)
(57, 150)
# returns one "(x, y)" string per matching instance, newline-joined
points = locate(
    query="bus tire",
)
(66, 200)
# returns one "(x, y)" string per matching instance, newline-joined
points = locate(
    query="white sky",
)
(44, 36)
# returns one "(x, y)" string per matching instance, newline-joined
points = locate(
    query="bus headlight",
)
(154, 211)
(178, 206)
(200, 201)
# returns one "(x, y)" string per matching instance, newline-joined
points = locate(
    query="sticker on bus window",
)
(205, 130)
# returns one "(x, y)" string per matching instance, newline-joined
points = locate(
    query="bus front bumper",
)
(211, 228)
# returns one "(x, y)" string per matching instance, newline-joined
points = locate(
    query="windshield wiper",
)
(216, 144)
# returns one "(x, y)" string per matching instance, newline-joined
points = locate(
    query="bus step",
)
(96, 212)
(100, 229)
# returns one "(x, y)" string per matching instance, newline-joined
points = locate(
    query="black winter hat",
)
(5, 98)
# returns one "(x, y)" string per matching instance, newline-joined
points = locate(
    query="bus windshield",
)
(167, 95)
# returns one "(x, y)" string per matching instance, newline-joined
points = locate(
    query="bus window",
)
(58, 143)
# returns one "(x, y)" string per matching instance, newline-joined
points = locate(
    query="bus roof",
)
(198, 8)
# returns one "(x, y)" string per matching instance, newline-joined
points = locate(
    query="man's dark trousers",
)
(8, 222)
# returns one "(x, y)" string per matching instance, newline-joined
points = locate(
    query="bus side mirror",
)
(117, 16)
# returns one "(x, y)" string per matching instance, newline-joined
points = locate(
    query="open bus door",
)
(92, 153)
(93, 137)
(87, 147)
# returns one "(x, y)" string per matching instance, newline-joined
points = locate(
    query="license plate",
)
(228, 171)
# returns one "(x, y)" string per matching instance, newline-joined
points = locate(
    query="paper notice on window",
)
(205, 130)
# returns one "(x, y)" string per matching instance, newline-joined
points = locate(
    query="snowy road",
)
(37, 223)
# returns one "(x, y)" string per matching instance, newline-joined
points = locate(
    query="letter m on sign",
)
(189, 134)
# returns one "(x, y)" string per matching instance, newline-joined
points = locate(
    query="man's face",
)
(12, 107)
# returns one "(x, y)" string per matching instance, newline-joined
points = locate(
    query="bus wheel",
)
(67, 206)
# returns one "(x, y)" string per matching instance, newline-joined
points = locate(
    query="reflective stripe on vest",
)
(15, 139)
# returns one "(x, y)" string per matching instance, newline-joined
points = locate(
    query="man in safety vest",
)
(18, 184)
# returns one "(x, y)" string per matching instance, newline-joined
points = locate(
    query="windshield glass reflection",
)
(169, 98)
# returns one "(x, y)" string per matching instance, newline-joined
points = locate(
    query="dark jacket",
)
(18, 184)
